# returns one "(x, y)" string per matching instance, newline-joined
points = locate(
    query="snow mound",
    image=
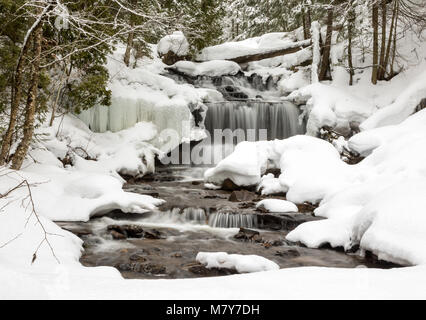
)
(240, 263)
(215, 68)
(329, 106)
(176, 43)
(277, 206)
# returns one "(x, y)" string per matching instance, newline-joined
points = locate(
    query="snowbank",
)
(176, 43)
(240, 263)
(376, 203)
(331, 106)
(215, 68)
(277, 206)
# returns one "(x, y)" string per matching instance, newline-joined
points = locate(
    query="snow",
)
(263, 44)
(176, 43)
(240, 263)
(277, 206)
(215, 68)
(331, 106)
(375, 204)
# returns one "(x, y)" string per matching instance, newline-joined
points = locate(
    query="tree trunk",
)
(375, 23)
(387, 55)
(130, 38)
(305, 29)
(15, 101)
(129, 47)
(325, 62)
(21, 152)
(382, 67)
(394, 39)
(351, 21)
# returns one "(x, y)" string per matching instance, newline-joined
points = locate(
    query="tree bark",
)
(130, 39)
(305, 29)
(129, 48)
(15, 101)
(19, 156)
(351, 21)
(325, 62)
(387, 55)
(382, 67)
(375, 23)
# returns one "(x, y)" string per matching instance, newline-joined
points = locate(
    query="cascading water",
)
(280, 119)
(200, 216)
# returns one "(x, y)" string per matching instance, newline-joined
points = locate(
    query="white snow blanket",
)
(238, 262)
(277, 206)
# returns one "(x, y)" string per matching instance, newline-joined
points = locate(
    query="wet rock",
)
(152, 268)
(137, 257)
(152, 234)
(247, 235)
(125, 231)
(177, 255)
(242, 195)
(274, 171)
(196, 183)
(117, 235)
(247, 205)
(229, 185)
(201, 270)
(286, 222)
(288, 253)
(153, 194)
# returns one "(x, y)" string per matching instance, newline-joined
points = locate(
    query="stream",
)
(164, 244)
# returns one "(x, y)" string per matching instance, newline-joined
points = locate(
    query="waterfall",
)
(280, 119)
(232, 220)
(199, 216)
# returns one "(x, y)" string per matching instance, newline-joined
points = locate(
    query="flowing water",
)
(195, 220)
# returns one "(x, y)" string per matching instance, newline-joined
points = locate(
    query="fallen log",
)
(272, 53)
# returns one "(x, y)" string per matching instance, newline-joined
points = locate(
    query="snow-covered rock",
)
(240, 263)
(176, 43)
(277, 206)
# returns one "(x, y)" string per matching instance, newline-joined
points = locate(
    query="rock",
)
(177, 255)
(288, 253)
(126, 231)
(117, 235)
(201, 270)
(152, 234)
(240, 196)
(196, 183)
(137, 257)
(247, 235)
(229, 185)
(247, 205)
(274, 171)
(152, 268)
